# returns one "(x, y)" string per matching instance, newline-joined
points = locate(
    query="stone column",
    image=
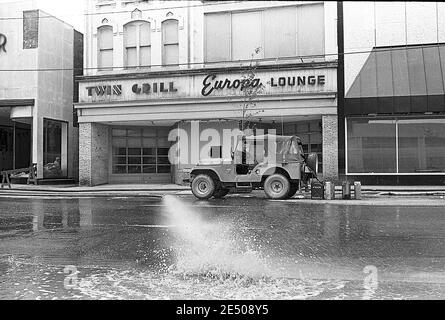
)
(93, 154)
(330, 147)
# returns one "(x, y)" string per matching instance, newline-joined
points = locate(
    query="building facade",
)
(37, 56)
(156, 66)
(392, 123)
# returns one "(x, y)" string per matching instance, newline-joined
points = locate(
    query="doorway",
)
(22, 145)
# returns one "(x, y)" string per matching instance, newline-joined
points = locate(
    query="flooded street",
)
(235, 248)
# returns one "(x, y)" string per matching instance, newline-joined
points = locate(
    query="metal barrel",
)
(346, 190)
(329, 190)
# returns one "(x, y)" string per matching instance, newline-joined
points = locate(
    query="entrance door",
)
(22, 148)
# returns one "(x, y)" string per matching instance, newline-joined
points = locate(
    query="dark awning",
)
(399, 80)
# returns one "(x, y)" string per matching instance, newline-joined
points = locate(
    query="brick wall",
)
(93, 154)
(330, 147)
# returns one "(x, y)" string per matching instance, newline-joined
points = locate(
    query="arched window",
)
(105, 47)
(137, 44)
(170, 43)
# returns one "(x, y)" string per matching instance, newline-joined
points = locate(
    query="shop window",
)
(105, 47)
(421, 145)
(170, 42)
(371, 146)
(137, 43)
(140, 151)
(278, 32)
(54, 148)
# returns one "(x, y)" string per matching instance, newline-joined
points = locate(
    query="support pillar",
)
(93, 154)
(330, 147)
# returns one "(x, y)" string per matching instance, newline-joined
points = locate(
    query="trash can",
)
(329, 190)
(346, 190)
(317, 190)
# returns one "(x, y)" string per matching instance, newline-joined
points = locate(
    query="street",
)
(240, 247)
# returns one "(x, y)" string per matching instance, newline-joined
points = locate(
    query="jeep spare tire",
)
(203, 186)
(277, 186)
(312, 161)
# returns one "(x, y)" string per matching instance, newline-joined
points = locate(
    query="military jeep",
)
(276, 164)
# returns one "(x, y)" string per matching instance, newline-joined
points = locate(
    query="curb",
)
(12, 190)
(79, 195)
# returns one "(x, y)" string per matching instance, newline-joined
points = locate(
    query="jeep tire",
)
(277, 186)
(293, 190)
(203, 186)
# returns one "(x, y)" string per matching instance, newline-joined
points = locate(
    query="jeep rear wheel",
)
(293, 190)
(203, 186)
(277, 186)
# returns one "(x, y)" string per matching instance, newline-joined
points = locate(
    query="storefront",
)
(125, 119)
(36, 103)
(395, 117)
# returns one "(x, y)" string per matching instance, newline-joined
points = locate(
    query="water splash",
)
(207, 248)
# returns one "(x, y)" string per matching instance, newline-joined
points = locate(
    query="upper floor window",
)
(105, 47)
(170, 43)
(279, 32)
(137, 44)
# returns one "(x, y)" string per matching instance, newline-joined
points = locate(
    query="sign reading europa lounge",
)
(211, 85)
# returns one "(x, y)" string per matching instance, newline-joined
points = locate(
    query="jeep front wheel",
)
(203, 186)
(277, 186)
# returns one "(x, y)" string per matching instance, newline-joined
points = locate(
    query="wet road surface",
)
(236, 248)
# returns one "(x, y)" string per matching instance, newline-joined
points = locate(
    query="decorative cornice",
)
(205, 70)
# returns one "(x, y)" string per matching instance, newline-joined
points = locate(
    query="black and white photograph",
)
(222, 156)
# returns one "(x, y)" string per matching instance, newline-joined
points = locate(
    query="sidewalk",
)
(142, 190)
(149, 189)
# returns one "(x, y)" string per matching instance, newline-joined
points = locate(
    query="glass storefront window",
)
(52, 149)
(374, 147)
(421, 145)
(371, 146)
(140, 151)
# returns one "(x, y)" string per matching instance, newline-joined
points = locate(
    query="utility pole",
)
(341, 89)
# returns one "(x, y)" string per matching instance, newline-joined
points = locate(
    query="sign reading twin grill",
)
(136, 88)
